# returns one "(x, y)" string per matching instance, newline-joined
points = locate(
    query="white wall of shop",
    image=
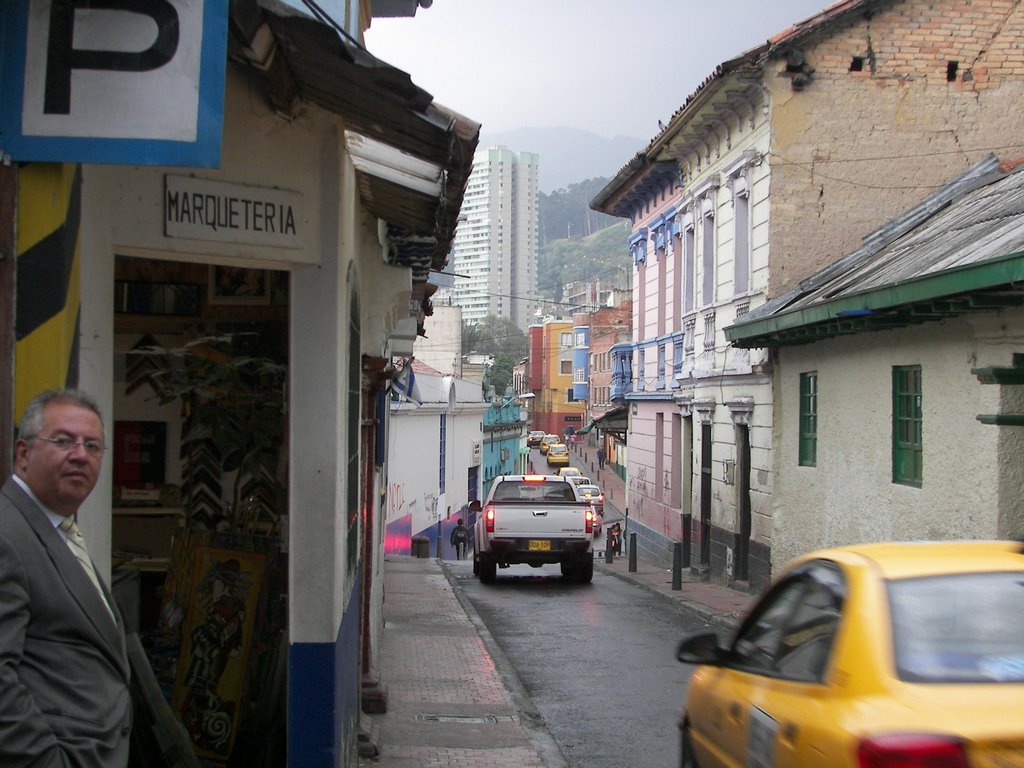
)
(971, 477)
(414, 450)
(123, 215)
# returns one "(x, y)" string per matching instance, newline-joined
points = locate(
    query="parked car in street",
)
(868, 656)
(547, 441)
(592, 495)
(558, 455)
(533, 438)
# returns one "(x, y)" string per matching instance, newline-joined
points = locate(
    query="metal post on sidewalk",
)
(608, 554)
(677, 566)
(632, 553)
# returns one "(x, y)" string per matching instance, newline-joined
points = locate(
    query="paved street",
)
(454, 699)
(598, 660)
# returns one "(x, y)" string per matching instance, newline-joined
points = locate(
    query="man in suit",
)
(64, 674)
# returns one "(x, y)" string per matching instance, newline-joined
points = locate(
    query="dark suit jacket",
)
(64, 672)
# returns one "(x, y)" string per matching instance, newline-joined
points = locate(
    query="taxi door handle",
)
(734, 711)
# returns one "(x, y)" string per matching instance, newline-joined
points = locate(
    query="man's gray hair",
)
(32, 418)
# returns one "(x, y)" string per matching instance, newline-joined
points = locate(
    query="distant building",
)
(474, 366)
(780, 163)
(595, 334)
(441, 348)
(550, 377)
(588, 295)
(435, 454)
(505, 450)
(494, 256)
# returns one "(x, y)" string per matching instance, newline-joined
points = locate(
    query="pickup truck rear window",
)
(523, 491)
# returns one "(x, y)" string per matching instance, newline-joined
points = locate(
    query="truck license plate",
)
(539, 545)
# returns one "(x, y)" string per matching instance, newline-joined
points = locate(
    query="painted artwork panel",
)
(211, 671)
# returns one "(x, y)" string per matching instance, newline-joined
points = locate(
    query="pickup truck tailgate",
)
(525, 520)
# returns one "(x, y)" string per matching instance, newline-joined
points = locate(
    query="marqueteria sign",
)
(113, 81)
(202, 209)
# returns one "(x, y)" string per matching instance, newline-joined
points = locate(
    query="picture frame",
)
(238, 285)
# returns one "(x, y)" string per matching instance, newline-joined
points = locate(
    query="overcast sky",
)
(613, 67)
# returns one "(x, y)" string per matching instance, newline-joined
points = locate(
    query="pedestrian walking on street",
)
(64, 672)
(459, 539)
(600, 458)
(616, 539)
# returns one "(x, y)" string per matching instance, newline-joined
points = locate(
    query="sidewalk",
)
(454, 700)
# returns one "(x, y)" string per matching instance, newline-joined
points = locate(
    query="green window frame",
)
(907, 425)
(809, 419)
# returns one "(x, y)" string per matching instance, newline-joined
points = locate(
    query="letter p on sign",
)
(102, 70)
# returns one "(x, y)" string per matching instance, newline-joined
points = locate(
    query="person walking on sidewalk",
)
(459, 539)
(600, 458)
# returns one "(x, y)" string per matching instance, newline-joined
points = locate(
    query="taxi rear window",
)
(954, 628)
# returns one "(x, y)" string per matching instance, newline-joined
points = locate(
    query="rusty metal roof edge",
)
(982, 173)
(454, 136)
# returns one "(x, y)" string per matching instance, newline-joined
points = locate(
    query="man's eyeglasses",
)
(67, 445)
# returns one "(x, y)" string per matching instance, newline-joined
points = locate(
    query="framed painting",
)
(238, 285)
(217, 635)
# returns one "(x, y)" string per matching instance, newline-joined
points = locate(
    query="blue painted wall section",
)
(323, 695)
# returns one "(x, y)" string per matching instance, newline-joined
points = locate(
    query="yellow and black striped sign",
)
(48, 286)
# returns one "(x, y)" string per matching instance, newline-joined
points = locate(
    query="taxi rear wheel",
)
(686, 756)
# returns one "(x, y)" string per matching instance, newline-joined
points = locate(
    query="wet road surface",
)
(598, 660)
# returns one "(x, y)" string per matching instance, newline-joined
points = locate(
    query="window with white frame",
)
(741, 235)
(707, 256)
(689, 263)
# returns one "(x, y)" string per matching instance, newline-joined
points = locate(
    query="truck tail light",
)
(912, 750)
(489, 519)
(588, 517)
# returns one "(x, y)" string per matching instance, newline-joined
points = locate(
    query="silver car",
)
(592, 494)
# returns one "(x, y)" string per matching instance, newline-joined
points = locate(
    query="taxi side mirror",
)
(700, 648)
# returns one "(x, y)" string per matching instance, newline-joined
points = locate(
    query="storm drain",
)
(465, 719)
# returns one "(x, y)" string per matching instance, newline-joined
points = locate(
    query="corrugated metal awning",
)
(413, 156)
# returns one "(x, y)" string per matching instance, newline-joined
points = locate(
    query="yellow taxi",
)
(570, 472)
(547, 441)
(868, 656)
(558, 455)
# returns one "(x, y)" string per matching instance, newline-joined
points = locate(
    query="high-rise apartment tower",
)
(495, 248)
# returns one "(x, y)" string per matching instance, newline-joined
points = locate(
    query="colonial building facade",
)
(768, 172)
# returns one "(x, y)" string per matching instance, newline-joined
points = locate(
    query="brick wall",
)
(855, 148)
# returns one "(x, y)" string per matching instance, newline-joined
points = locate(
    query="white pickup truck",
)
(534, 519)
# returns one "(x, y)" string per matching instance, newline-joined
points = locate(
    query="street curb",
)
(529, 716)
(708, 615)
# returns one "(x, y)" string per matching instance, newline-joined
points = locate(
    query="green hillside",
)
(602, 256)
(577, 243)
